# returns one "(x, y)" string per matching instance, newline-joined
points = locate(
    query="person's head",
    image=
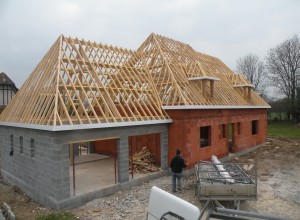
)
(178, 152)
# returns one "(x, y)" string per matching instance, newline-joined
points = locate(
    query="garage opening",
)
(144, 155)
(93, 165)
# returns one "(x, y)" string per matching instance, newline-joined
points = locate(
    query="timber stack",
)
(142, 162)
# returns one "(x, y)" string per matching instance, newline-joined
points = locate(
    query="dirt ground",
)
(278, 190)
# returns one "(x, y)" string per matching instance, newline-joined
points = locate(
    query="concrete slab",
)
(89, 157)
(93, 175)
(94, 172)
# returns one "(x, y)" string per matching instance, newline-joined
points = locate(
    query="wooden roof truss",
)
(80, 82)
(184, 76)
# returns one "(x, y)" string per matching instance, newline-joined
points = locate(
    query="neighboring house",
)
(103, 100)
(7, 90)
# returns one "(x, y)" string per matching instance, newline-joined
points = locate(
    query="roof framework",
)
(80, 82)
(173, 64)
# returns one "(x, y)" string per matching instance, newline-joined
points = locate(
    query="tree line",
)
(278, 72)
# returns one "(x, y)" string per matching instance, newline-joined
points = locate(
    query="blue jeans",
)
(176, 177)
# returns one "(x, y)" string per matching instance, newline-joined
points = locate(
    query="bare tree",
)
(283, 63)
(254, 69)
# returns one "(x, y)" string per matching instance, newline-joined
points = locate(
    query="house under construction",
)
(8, 90)
(71, 131)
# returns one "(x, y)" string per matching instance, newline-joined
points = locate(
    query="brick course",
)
(184, 132)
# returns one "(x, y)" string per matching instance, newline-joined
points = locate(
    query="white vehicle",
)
(165, 206)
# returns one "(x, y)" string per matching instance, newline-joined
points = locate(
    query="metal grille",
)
(207, 171)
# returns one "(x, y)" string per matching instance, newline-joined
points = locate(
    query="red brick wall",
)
(106, 147)
(135, 144)
(184, 132)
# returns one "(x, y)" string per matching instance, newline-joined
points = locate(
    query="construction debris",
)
(222, 170)
(142, 162)
(248, 167)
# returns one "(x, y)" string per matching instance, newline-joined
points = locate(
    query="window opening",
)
(32, 153)
(254, 127)
(223, 131)
(239, 128)
(21, 145)
(205, 136)
(11, 145)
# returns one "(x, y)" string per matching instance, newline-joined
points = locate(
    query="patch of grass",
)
(284, 130)
(57, 216)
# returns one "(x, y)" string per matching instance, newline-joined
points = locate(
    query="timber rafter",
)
(171, 65)
(81, 82)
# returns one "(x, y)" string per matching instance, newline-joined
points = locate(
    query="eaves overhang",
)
(84, 126)
(243, 85)
(178, 107)
(203, 77)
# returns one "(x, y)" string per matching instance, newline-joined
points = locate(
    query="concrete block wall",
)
(164, 141)
(122, 133)
(123, 160)
(45, 177)
(184, 132)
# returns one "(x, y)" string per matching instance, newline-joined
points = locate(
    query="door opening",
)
(93, 165)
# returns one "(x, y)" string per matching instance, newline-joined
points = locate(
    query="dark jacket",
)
(177, 164)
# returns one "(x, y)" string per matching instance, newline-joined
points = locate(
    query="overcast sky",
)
(227, 29)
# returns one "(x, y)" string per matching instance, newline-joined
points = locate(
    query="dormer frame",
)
(204, 80)
(246, 88)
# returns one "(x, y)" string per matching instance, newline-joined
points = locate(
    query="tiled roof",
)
(4, 79)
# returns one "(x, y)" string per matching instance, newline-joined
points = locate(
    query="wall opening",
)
(223, 131)
(93, 165)
(254, 127)
(205, 136)
(11, 153)
(144, 155)
(230, 137)
(239, 128)
(32, 148)
(21, 145)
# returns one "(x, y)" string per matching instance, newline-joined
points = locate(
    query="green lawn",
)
(284, 130)
(273, 115)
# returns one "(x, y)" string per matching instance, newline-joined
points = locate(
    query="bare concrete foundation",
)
(92, 176)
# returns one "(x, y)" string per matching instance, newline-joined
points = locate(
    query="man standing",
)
(176, 165)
